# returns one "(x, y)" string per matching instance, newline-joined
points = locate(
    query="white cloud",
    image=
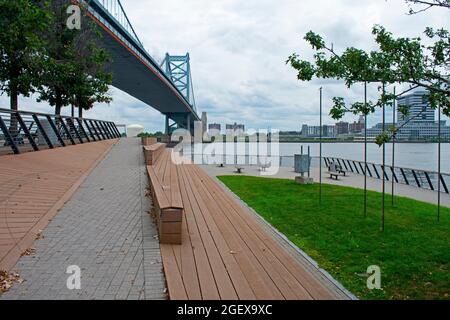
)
(238, 50)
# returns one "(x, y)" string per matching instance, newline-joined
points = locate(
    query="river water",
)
(408, 155)
(422, 156)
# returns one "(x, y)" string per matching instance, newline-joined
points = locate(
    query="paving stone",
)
(105, 229)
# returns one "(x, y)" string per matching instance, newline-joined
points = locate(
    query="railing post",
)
(8, 136)
(66, 130)
(89, 129)
(100, 130)
(429, 180)
(72, 124)
(27, 132)
(443, 183)
(106, 130)
(42, 131)
(95, 130)
(114, 129)
(55, 129)
(415, 177)
(80, 125)
(113, 125)
(404, 176)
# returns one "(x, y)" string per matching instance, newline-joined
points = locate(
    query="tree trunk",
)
(80, 112)
(13, 125)
(58, 110)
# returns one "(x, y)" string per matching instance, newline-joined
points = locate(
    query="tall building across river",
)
(420, 122)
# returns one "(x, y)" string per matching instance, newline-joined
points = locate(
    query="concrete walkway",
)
(352, 180)
(104, 229)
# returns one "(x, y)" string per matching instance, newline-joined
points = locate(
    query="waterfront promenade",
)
(104, 229)
(351, 180)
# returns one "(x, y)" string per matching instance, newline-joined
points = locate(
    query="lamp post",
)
(320, 150)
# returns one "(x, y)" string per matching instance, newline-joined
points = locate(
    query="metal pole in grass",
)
(439, 163)
(320, 150)
(394, 103)
(384, 162)
(365, 150)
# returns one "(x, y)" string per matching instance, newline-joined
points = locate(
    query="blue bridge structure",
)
(166, 87)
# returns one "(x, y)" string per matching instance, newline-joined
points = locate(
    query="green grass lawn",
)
(413, 252)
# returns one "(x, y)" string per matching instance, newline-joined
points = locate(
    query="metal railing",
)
(22, 131)
(411, 177)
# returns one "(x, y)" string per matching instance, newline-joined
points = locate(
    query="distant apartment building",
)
(342, 128)
(214, 129)
(421, 131)
(419, 108)
(204, 122)
(357, 127)
(235, 129)
(328, 131)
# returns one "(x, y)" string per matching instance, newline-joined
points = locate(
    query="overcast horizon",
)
(238, 51)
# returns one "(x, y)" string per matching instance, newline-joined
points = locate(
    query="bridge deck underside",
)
(133, 76)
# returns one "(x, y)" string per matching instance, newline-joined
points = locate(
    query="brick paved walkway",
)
(105, 230)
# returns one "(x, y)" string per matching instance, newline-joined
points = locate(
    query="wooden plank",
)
(222, 278)
(261, 283)
(188, 266)
(230, 251)
(175, 283)
(315, 289)
(285, 282)
(206, 280)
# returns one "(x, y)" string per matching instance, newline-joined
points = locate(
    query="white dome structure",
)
(134, 129)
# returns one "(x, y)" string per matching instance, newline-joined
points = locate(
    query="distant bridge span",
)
(134, 70)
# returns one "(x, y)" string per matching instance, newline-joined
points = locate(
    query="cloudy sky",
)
(238, 50)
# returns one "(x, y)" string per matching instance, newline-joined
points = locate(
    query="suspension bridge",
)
(165, 86)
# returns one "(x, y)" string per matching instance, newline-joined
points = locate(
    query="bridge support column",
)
(188, 120)
(167, 129)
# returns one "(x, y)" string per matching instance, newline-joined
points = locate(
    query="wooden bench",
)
(239, 169)
(153, 152)
(148, 141)
(166, 194)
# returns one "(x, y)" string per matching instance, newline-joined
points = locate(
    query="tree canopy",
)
(415, 62)
(75, 70)
(38, 52)
(21, 47)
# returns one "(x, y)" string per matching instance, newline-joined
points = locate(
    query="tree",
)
(397, 61)
(425, 5)
(75, 65)
(21, 47)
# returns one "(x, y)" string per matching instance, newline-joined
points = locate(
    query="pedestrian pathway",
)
(106, 231)
(351, 180)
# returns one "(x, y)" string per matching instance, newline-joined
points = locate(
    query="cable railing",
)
(424, 179)
(412, 177)
(23, 131)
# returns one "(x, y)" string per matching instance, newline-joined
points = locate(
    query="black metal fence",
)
(413, 177)
(22, 131)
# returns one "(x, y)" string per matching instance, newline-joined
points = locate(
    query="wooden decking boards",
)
(225, 252)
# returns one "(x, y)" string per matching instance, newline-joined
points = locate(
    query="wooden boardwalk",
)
(226, 253)
(34, 186)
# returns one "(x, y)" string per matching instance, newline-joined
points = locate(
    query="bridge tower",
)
(178, 69)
